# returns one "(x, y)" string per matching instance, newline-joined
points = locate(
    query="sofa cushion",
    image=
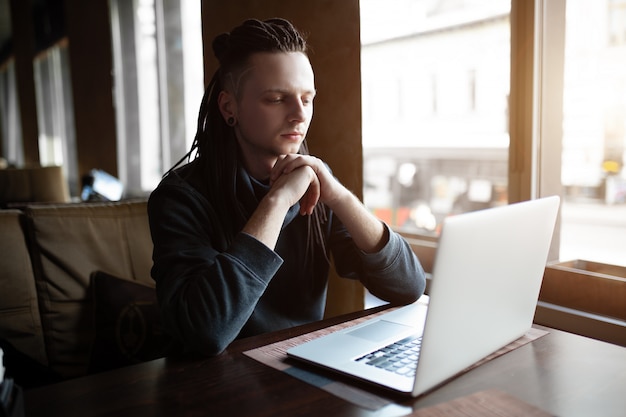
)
(127, 323)
(20, 323)
(72, 241)
(36, 184)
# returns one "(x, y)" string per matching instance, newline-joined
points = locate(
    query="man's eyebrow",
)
(287, 91)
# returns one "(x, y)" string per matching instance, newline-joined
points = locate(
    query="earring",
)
(231, 121)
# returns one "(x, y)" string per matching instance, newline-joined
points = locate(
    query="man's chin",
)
(287, 150)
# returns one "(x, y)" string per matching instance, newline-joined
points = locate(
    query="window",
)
(589, 135)
(449, 151)
(11, 130)
(617, 22)
(55, 111)
(157, 54)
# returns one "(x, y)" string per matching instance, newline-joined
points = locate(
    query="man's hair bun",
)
(221, 45)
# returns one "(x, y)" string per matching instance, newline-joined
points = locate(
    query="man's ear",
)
(227, 105)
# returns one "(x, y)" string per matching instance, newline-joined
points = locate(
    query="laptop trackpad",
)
(378, 331)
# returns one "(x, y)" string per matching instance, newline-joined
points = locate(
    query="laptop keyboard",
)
(399, 357)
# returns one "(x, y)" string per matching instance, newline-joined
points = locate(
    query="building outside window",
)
(438, 144)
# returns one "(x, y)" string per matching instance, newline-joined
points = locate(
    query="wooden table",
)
(561, 373)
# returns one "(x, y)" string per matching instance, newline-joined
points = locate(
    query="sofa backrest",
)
(70, 242)
(20, 322)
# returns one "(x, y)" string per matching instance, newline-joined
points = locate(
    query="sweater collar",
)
(251, 191)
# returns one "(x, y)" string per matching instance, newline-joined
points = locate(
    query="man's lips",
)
(293, 135)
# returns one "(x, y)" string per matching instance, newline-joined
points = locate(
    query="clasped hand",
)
(306, 179)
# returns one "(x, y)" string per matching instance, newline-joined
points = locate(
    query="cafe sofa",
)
(76, 296)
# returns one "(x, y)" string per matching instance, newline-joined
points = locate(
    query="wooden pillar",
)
(24, 51)
(333, 34)
(91, 65)
(521, 101)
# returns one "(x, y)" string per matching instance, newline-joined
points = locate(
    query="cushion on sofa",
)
(127, 323)
(34, 184)
(20, 323)
(72, 241)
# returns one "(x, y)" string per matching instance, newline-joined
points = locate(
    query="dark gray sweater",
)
(208, 297)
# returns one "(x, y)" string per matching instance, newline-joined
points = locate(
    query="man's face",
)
(274, 107)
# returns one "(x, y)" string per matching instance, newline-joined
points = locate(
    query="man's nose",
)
(298, 112)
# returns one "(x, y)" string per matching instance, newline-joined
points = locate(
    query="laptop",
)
(485, 284)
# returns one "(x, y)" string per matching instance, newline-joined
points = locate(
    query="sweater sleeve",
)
(393, 274)
(206, 296)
